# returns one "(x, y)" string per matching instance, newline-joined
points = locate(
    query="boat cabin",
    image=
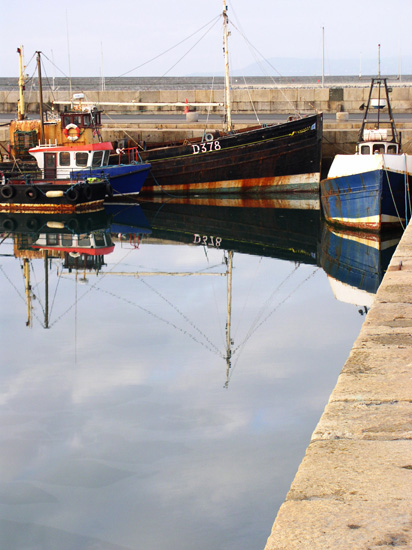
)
(96, 242)
(377, 142)
(59, 161)
(378, 148)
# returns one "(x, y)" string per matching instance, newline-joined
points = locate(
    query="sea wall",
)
(244, 101)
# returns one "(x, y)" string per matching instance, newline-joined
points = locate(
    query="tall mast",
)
(229, 261)
(228, 111)
(40, 98)
(26, 274)
(21, 109)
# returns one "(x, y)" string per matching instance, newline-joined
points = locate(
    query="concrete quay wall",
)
(353, 489)
(286, 99)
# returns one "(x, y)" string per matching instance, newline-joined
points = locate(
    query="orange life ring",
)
(72, 127)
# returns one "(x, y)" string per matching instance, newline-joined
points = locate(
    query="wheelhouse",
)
(81, 119)
(377, 148)
(58, 162)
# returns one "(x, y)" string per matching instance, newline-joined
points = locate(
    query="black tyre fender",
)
(9, 224)
(73, 194)
(7, 191)
(73, 225)
(32, 224)
(31, 192)
(87, 192)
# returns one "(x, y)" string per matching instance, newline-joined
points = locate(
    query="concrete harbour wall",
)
(353, 489)
(262, 100)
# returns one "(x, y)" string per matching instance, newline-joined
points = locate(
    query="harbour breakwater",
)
(336, 96)
(249, 95)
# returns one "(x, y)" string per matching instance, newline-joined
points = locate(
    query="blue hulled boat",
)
(370, 189)
(355, 262)
(76, 162)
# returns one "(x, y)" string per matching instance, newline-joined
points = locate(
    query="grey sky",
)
(104, 38)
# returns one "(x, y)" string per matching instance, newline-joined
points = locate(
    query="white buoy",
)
(54, 194)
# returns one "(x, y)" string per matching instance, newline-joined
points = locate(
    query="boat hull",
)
(286, 229)
(284, 158)
(52, 196)
(374, 200)
(124, 179)
(356, 259)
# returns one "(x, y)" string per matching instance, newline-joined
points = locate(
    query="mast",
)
(228, 111)
(26, 274)
(21, 109)
(40, 98)
(46, 286)
(229, 261)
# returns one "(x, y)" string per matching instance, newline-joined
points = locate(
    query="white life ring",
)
(74, 137)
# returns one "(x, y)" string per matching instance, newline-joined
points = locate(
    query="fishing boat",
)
(284, 157)
(283, 227)
(91, 160)
(68, 146)
(21, 194)
(355, 262)
(369, 190)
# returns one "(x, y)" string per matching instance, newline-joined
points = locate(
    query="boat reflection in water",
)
(283, 227)
(355, 262)
(122, 400)
(74, 242)
(287, 228)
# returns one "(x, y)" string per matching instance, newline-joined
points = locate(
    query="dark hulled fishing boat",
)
(284, 157)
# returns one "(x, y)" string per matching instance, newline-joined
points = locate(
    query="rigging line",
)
(55, 293)
(47, 79)
(36, 285)
(108, 292)
(272, 312)
(194, 45)
(270, 65)
(216, 18)
(54, 65)
(252, 284)
(12, 284)
(92, 287)
(390, 189)
(181, 314)
(251, 100)
(254, 325)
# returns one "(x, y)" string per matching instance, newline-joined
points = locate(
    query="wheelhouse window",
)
(52, 239)
(378, 148)
(84, 240)
(106, 158)
(64, 159)
(97, 159)
(99, 239)
(365, 150)
(392, 149)
(67, 241)
(82, 120)
(81, 159)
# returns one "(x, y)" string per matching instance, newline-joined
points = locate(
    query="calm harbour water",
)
(120, 428)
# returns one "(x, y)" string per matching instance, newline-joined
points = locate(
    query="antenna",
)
(323, 57)
(379, 60)
(68, 54)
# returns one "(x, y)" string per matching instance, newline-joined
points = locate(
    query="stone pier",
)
(353, 489)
